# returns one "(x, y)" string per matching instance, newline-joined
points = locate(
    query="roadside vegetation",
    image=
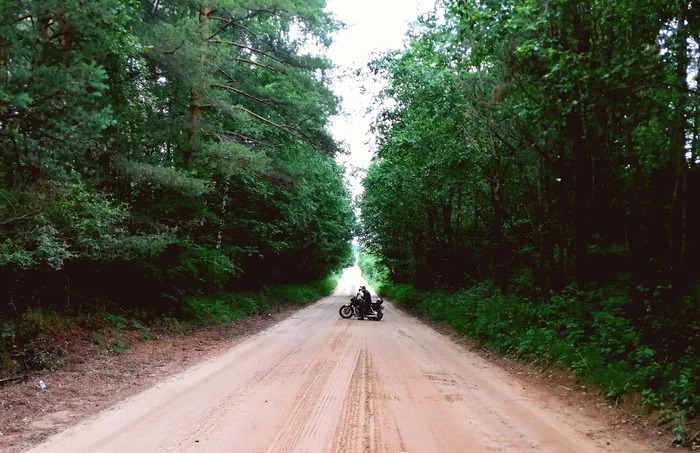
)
(41, 340)
(162, 160)
(536, 187)
(586, 332)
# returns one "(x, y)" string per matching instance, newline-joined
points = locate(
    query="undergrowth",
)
(36, 340)
(586, 332)
(227, 307)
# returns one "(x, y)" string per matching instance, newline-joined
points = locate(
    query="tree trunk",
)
(499, 265)
(431, 215)
(447, 222)
(562, 246)
(543, 214)
(695, 148)
(44, 27)
(222, 215)
(197, 91)
(582, 189)
(678, 216)
(459, 233)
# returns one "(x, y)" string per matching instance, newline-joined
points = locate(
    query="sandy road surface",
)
(318, 383)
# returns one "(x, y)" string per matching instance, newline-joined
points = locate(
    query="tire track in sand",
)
(305, 415)
(359, 427)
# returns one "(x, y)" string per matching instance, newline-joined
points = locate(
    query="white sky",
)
(371, 26)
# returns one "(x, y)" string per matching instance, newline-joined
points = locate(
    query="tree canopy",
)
(546, 145)
(152, 150)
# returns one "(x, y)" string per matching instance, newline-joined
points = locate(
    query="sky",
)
(371, 26)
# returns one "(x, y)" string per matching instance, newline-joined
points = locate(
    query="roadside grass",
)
(228, 307)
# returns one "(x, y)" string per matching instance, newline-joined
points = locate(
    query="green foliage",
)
(577, 331)
(117, 321)
(204, 265)
(680, 431)
(160, 159)
(158, 152)
(58, 223)
(34, 342)
(225, 308)
(372, 270)
(109, 342)
(545, 155)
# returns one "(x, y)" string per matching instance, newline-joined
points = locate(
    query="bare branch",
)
(170, 52)
(291, 130)
(269, 102)
(234, 22)
(266, 121)
(241, 137)
(13, 219)
(242, 93)
(12, 379)
(250, 32)
(254, 50)
(10, 203)
(22, 18)
(254, 13)
(260, 65)
(229, 76)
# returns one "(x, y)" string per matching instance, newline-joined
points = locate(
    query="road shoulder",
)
(551, 383)
(94, 379)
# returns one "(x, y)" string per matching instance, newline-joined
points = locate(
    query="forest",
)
(536, 186)
(157, 153)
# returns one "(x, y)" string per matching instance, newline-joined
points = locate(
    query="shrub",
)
(227, 307)
(588, 332)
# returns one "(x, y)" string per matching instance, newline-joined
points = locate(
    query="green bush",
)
(32, 340)
(228, 307)
(586, 332)
(117, 321)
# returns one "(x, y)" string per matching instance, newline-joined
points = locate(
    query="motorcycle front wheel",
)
(345, 311)
(379, 317)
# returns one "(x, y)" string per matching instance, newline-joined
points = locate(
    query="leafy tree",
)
(543, 145)
(178, 146)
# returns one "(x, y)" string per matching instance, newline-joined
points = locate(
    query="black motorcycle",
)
(375, 311)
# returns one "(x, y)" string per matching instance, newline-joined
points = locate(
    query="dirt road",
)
(318, 383)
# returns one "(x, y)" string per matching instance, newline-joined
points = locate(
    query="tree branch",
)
(260, 65)
(254, 13)
(283, 127)
(12, 379)
(291, 130)
(242, 93)
(241, 137)
(24, 216)
(229, 76)
(22, 18)
(170, 52)
(269, 102)
(235, 23)
(250, 32)
(254, 50)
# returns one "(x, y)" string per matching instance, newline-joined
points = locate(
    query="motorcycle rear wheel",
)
(345, 311)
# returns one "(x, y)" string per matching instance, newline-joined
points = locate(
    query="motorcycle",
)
(375, 311)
